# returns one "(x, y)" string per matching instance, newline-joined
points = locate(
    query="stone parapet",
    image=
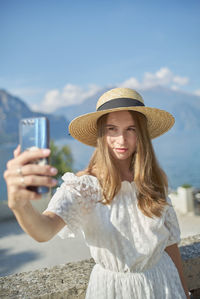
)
(190, 253)
(63, 281)
(70, 280)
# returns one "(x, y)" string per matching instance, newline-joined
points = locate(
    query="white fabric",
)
(127, 246)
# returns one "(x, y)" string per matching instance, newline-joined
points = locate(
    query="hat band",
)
(120, 102)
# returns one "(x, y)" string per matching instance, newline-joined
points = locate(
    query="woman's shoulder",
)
(85, 188)
(81, 178)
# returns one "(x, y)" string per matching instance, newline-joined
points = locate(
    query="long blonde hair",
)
(151, 181)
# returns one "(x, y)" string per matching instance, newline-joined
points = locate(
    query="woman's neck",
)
(127, 176)
(125, 173)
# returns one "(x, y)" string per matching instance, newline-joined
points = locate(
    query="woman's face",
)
(121, 134)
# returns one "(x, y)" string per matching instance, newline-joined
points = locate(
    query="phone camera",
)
(28, 121)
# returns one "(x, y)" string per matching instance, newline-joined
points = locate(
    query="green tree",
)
(61, 158)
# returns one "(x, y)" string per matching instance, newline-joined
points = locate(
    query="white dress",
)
(127, 246)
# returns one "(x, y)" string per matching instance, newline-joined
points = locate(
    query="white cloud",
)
(73, 94)
(197, 92)
(69, 95)
(174, 87)
(180, 80)
(163, 77)
(51, 98)
(131, 83)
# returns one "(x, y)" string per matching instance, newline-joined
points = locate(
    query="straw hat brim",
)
(84, 127)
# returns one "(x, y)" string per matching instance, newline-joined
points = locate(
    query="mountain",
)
(184, 107)
(12, 109)
(89, 105)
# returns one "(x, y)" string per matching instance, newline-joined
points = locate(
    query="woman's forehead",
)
(120, 117)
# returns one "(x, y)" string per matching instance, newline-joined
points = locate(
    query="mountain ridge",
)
(12, 109)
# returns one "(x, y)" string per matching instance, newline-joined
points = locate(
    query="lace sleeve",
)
(72, 201)
(171, 223)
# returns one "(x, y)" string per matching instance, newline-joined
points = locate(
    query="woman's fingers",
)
(31, 180)
(16, 152)
(30, 175)
(29, 169)
(20, 174)
(28, 157)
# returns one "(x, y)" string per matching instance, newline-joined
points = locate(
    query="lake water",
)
(180, 158)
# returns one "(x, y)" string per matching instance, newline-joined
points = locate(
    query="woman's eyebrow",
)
(111, 125)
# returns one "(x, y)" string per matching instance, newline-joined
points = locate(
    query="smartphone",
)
(34, 134)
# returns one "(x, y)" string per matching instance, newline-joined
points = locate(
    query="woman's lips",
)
(121, 150)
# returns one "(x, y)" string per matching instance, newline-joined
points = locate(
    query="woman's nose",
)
(121, 138)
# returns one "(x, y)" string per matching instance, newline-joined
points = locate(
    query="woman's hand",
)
(21, 173)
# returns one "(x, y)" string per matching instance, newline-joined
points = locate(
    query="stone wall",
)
(70, 280)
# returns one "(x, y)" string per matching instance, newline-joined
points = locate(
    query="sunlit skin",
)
(121, 137)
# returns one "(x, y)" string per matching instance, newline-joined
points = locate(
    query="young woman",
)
(119, 201)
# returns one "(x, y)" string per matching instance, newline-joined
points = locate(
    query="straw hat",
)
(84, 127)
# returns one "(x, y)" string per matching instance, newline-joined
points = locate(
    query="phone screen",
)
(34, 134)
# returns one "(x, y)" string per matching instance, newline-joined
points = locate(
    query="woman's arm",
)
(174, 253)
(21, 173)
(41, 227)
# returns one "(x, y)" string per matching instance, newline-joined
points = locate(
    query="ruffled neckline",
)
(122, 182)
(127, 182)
(71, 175)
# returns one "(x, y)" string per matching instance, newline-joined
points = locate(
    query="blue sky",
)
(55, 51)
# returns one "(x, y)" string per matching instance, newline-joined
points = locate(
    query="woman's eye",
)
(111, 129)
(131, 129)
